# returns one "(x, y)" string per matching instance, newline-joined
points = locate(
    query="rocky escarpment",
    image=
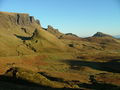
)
(18, 18)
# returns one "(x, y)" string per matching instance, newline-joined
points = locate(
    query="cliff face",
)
(21, 34)
(23, 19)
(17, 18)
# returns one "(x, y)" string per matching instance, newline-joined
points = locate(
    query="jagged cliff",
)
(17, 19)
(21, 34)
(53, 31)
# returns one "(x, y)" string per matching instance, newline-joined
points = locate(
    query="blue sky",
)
(82, 17)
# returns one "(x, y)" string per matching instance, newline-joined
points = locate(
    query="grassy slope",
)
(65, 69)
(12, 45)
(61, 64)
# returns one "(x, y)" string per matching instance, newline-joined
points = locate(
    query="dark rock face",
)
(100, 34)
(32, 20)
(38, 22)
(24, 19)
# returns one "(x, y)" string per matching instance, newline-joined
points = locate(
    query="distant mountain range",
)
(117, 36)
(98, 34)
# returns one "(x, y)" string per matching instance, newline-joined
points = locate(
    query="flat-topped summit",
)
(17, 18)
(11, 13)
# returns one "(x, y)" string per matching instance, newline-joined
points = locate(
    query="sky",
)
(81, 17)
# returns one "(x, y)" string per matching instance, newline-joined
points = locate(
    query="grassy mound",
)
(20, 75)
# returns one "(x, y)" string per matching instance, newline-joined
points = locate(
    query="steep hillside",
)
(21, 34)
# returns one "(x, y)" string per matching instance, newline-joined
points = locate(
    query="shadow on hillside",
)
(9, 83)
(100, 86)
(111, 66)
(95, 85)
(23, 37)
(51, 78)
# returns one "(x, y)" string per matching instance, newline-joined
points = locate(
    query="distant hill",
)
(107, 42)
(100, 37)
(117, 36)
(59, 35)
(100, 34)
(70, 36)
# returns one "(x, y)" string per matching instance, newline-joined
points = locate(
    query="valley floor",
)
(68, 71)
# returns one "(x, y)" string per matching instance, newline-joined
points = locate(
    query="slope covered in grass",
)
(20, 34)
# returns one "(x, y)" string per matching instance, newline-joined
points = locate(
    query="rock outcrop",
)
(59, 35)
(53, 31)
(18, 18)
